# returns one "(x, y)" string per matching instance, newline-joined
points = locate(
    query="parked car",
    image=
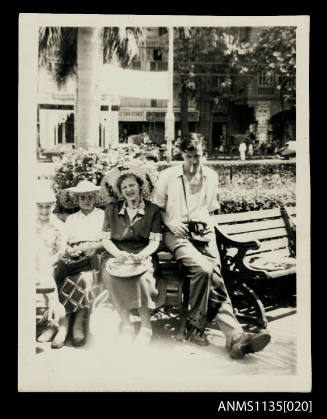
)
(53, 154)
(49, 155)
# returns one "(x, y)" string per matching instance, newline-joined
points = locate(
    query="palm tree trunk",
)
(88, 95)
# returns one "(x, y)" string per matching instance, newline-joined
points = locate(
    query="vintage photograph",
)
(164, 211)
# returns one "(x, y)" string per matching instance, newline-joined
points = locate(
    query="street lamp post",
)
(169, 118)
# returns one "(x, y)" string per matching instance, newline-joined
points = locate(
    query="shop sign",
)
(156, 43)
(160, 116)
(131, 115)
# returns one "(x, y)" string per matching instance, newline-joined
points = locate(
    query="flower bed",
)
(94, 167)
(243, 186)
(250, 186)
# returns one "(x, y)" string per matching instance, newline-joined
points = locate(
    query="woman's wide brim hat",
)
(109, 182)
(84, 186)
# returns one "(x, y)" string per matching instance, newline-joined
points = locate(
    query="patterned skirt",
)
(77, 290)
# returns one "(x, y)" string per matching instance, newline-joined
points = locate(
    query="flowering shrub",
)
(239, 198)
(254, 186)
(93, 166)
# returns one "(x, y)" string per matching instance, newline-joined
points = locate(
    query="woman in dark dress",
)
(131, 234)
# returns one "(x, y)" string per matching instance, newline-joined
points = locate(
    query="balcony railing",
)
(150, 65)
(158, 65)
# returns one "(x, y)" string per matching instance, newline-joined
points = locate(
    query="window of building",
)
(162, 31)
(149, 54)
(153, 103)
(162, 66)
(244, 34)
(153, 66)
(157, 55)
(136, 65)
(265, 80)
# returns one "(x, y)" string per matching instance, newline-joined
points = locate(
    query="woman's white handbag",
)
(127, 269)
(103, 323)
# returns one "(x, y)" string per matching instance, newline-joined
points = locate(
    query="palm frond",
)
(123, 42)
(49, 41)
(59, 44)
(67, 55)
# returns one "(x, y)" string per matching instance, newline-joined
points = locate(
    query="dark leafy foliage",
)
(254, 186)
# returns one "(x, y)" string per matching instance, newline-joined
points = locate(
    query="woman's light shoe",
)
(127, 335)
(143, 338)
(59, 340)
(47, 334)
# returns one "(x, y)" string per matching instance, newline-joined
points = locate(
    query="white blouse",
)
(80, 227)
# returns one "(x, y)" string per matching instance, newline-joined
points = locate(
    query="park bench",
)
(245, 240)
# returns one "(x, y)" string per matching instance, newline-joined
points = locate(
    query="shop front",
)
(131, 122)
(156, 121)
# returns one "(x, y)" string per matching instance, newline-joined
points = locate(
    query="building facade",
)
(255, 108)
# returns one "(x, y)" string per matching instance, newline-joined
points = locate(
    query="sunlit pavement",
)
(166, 365)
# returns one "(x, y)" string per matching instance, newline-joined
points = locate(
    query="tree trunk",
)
(282, 115)
(184, 110)
(88, 95)
(206, 122)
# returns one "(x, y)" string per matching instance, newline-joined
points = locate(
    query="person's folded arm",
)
(155, 236)
(151, 248)
(111, 248)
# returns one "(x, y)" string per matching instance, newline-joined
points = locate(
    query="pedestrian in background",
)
(242, 150)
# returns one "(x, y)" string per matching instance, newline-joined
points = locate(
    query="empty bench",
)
(258, 251)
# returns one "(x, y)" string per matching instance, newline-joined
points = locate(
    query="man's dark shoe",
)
(249, 343)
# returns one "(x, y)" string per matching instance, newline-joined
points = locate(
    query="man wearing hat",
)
(74, 272)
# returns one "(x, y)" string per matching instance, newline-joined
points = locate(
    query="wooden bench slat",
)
(270, 245)
(250, 215)
(284, 272)
(261, 235)
(254, 226)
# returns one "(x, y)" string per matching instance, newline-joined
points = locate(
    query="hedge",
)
(251, 186)
(243, 186)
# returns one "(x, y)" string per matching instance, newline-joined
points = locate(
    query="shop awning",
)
(134, 83)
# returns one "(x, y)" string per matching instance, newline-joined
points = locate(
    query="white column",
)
(55, 129)
(44, 128)
(113, 121)
(170, 118)
(64, 132)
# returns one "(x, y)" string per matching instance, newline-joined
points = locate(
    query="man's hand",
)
(179, 229)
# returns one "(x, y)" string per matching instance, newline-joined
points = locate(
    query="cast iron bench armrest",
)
(228, 241)
(242, 247)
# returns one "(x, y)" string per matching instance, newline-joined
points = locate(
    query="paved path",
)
(166, 365)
